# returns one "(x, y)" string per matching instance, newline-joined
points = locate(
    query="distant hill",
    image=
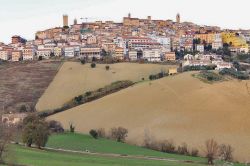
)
(75, 79)
(180, 107)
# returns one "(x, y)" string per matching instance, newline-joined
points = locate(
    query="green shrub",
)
(71, 128)
(194, 152)
(83, 61)
(157, 76)
(93, 133)
(209, 76)
(107, 67)
(88, 93)
(183, 150)
(235, 74)
(167, 146)
(93, 65)
(197, 68)
(78, 99)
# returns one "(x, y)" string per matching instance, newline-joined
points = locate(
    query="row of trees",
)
(212, 149)
(116, 133)
(237, 74)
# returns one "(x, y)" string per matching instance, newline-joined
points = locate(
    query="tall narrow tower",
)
(75, 21)
(129, 15)
(178, 18)
(65, 20)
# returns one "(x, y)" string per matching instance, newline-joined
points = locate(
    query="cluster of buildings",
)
(206, 60)
(132, 40)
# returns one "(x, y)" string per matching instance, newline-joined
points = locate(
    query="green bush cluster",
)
(197, 68)
(235, 74)
(157, 76)
(210, 76)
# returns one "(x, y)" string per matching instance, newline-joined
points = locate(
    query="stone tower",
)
(178, 18)
(75, 21)
(65, 20)
(129, 15)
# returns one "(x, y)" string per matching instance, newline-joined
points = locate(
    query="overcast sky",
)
(25, 17)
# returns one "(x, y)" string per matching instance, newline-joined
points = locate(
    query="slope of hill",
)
(81, 142)
(181, 108)
(27, 156)
(74, 79)
(23, 83)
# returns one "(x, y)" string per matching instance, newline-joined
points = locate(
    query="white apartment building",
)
(29, 53)
(69, 51)
(217, 41)
(132, 55)
(152, 55)
(200, 48)
(45, 53)
(90, 52)
(164, 41)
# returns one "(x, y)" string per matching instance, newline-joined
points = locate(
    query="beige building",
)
(16, 56)
(170, 56)
(58, 51)
(172, 71)
(128, 21)
(28, 53)
(5, 55)
(90, 52)
(119, 53)
(91, 40)
(133, 55)
(13, 119)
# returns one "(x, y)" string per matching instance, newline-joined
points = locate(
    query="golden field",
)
(179, 107)
(74, 79)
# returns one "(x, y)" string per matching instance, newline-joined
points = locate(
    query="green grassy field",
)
(127, 154)
(80, 142)
(25, 156)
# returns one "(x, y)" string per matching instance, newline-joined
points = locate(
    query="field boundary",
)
(112, 155)
(89, 97)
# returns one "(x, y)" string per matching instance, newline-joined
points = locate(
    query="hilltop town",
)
(132, 40)
(139, 92)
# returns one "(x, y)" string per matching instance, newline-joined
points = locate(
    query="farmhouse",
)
(13, 119)
(224, 65)
(170, 56)
(172, 71)
(188, 57)
(197, 63)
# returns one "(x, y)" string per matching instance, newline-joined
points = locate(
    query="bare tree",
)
(167, 146)
(149, 141)
(6, 133)
(119, 134)
(211, 150)
(101, 132)
(226, 152)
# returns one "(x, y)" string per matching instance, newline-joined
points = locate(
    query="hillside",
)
(180, 107)
(23, 83)
(26, 156)
(74, 79)
(81, 142)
